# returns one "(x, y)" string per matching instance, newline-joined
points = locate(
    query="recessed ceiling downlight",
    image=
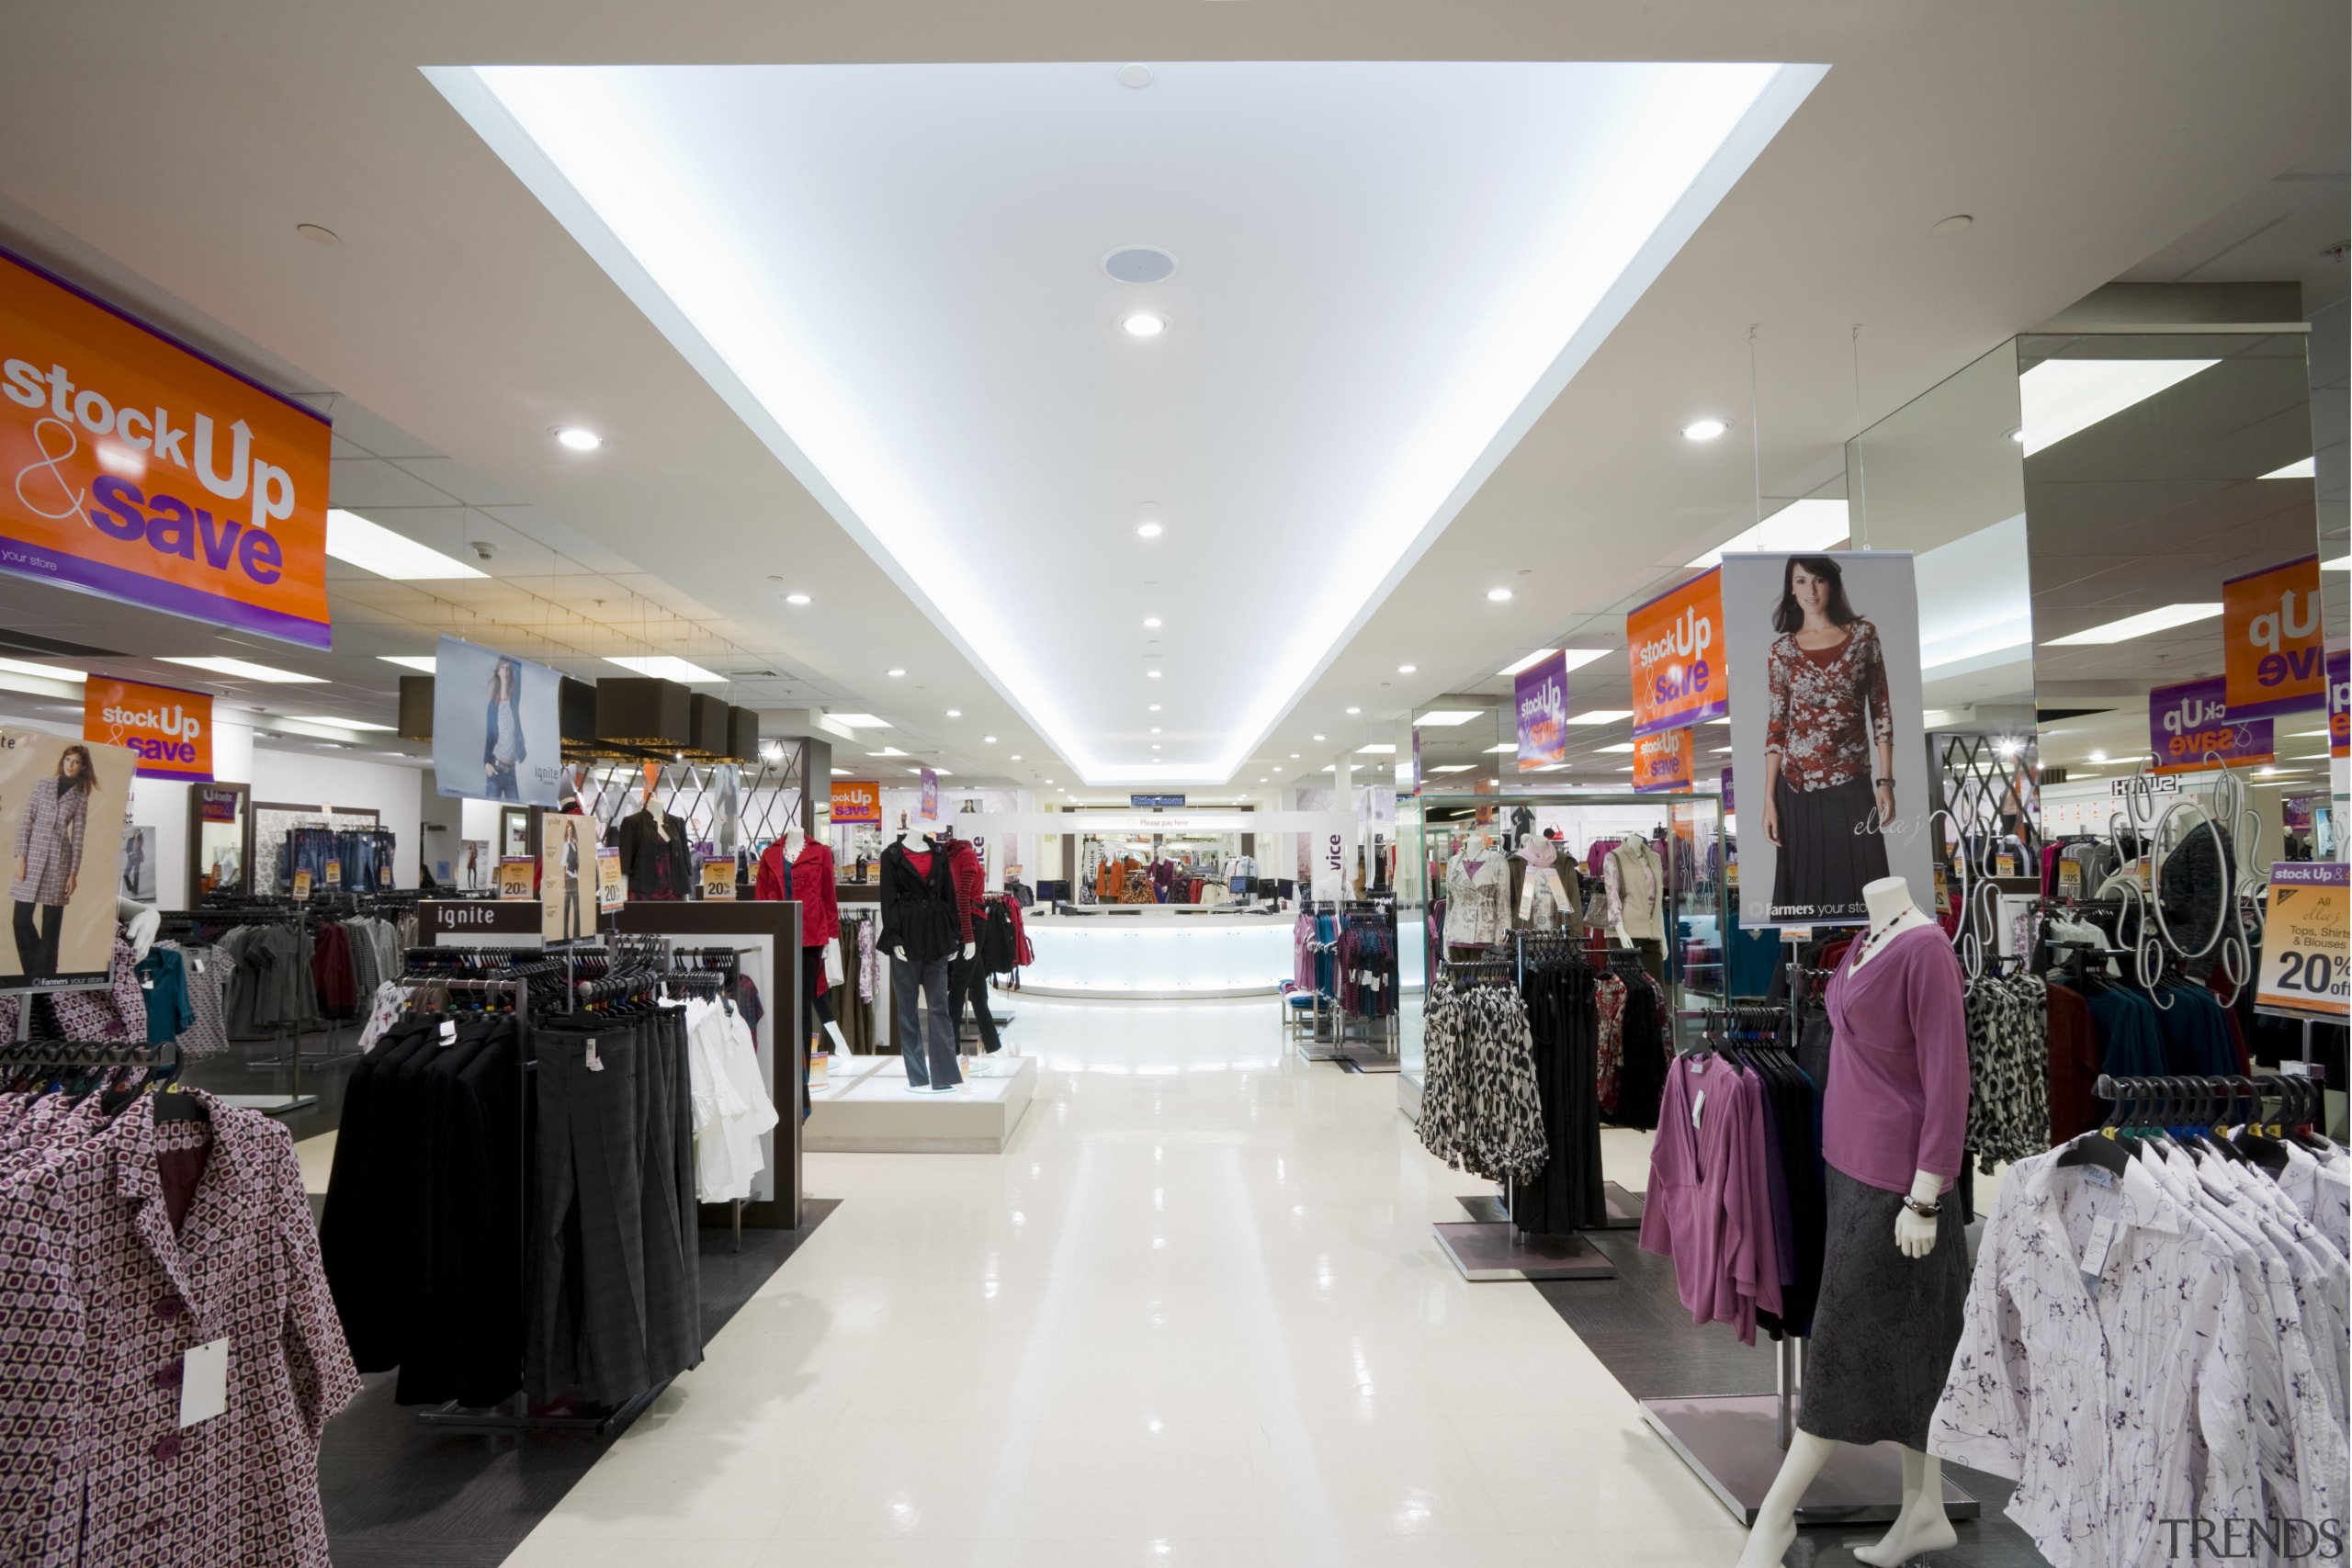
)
(1141, 263)
(1704, 428)
(1147, 530)
(579, 440)
(1143, 323)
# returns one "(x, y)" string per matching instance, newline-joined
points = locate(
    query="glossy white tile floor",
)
(1193, 1314)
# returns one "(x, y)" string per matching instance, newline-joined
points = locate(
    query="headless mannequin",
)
(1921, 1527)
(930, 846)
(795, 840)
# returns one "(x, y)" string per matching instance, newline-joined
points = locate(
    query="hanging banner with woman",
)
(497, 729)
(61, 804)
(1824, 651)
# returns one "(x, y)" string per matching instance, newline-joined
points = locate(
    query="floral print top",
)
(2116, 1407)
(1827, 708)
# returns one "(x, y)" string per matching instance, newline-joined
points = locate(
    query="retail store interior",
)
(851, 785)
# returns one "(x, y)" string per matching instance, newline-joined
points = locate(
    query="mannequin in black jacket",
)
(921, 931)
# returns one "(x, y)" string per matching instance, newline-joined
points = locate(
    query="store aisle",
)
(1193, 1314)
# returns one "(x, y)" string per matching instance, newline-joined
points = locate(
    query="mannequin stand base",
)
(1730, 1443)
(1624, 1209)
(1497, 1251)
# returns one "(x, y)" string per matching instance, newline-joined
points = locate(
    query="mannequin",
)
(1909, 1310)
(1478, 885)
(797, 867)
(653, 853)
(966, 981)
(922, 930)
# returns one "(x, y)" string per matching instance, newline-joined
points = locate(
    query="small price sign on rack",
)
(2306, 956)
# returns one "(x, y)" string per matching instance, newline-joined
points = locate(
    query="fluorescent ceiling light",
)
(1507, 214)
(1376, 749)
(1507, 746)
(2292, 735)
(2341, 563)
(45, 672)
(1724, 722)
(339, 723)
(1454, 768)
(351, 537)
(2061, 396)
(1799, 526)
(1621, 746)
(1549, 768)
(2141, 625)
(240, 670)
(935, 772)
(859, 720)
(1722, 752)
(1601, 715)
(424, 661)
(671, 669)
(1446, 719)
(889, 751)
(2301, 469)
(844, 773)
(1572, 658)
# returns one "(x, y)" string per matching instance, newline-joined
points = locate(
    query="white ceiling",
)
(1385, 270)
(459, 314)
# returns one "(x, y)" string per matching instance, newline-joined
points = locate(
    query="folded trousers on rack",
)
(968, 981)
(587, 1263)
(930, 1033)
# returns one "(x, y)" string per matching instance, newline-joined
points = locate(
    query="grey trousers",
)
(935, 1026)
(673, 1304)
(587, 1327)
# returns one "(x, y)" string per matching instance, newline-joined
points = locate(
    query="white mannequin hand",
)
(900, 953)
(140, 924)
(1915, 1234)
(970, 948)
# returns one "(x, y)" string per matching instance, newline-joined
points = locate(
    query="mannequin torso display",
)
(1637, 878)
(1477, 884)
(653, 855)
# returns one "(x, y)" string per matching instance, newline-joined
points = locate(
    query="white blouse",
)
(2115, 1409)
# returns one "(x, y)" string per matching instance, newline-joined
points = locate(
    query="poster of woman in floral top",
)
(1823, 653)
(63, 804)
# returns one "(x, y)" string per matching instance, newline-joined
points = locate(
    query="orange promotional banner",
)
(858, 801)
(1674, 644)
(2273, 647)
(171, 730)
(134, 468)
(1662, 761)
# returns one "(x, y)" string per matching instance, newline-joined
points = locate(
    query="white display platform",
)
(865, 1107)
(1158, 952)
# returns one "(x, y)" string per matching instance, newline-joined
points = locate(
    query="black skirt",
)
(1830, 850)
(1886, 1326)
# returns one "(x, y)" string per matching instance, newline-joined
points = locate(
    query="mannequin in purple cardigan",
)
(1897, 1103)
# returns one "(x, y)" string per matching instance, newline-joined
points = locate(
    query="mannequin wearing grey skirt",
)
(1894, 1267)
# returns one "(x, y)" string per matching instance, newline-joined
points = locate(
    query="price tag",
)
(335, 874)
(2070, 879)
(2098, 1250)
(1698, 1103)
(2005, 865)
(204, 1383)
(301, 886)
(612, 890)
(718, 879)
(2304, 940)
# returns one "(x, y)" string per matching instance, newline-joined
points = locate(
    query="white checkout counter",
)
(1158, 952)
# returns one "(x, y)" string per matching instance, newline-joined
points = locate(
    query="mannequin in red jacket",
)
(796, 866)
